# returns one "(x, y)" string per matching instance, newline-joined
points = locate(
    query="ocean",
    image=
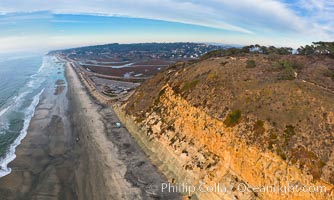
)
(23, 79)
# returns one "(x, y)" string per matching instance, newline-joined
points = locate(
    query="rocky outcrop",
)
(192, 147)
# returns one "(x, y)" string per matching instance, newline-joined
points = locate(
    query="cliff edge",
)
(247, 121)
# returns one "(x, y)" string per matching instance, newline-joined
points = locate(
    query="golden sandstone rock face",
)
(248, 156)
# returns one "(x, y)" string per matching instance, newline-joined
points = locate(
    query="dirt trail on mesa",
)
(317, 85)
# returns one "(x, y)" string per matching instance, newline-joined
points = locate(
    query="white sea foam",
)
(3, 111)
(16, 100)
(36, 81)
(19, 97)
(10, 156)
(41, 68)
(33, 83)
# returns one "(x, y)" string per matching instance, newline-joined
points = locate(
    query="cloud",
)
(284, 20)
(319, 15)
(244, 16)
(27, 16)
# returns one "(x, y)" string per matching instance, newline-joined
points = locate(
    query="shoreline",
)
(48, 148)
(73, 151)
(10, 156)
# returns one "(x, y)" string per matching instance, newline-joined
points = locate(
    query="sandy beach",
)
(73, 150)
(43, 168)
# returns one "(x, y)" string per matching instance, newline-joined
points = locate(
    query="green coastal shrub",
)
(258, 128)
(273, 56)
(287, 73)
(287, 69)
(189, 85)
(250, 64)
(330, 74)
(233, 118)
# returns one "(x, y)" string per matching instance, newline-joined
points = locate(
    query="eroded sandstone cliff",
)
(219, 121)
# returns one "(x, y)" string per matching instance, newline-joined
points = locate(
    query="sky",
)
(42, 25)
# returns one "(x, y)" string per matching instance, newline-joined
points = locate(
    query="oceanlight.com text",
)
(186, 188)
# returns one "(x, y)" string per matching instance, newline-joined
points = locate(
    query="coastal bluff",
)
(218, 121)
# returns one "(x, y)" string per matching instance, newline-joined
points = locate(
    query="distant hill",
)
(168, 48)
